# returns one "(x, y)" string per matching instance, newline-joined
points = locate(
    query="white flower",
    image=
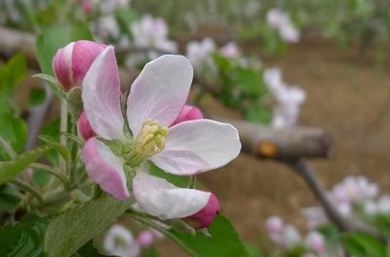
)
(280, 20)
(289, 99)
(119, 241)
(156, 99)
(316, 242)
(106, 27)
(200, 53)
(230, 50)
(152, 32)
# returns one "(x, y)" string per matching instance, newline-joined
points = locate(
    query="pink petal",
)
(163, 199)
(204, 217)
(104, 168)
(101, 96)
(197, 146)
(83, 55)
(189, 112)
(62, 65)
(160, 91)
(84, 128)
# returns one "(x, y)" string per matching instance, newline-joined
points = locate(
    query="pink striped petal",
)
(163, 199)
(204, 217)
(104, 168)
(197, 146)
(160, 91)
(101, 96)
(84, 128)
(189, 112)
(83, 55)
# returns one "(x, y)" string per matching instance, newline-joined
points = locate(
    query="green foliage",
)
(10, 169)
(362, 245)
(12, 73)
(13, 130)
(382, 222)
(9, 198)
(55, 37)
(72, 229)
(258, 113)
(221, 240)
(88, 250)
(23, 239)
(37, 96)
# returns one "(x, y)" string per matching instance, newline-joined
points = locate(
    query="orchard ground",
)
(351, 99)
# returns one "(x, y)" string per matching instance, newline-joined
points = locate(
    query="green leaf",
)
(9, 198)
(37, 96)
(252, 250)
(150, 252)
(12, 73)
(362, 245)
(23, 239)
(223, 240)
(88, 250)
(13, 129)
(53, 83)
(10, 169)
(249, 81)
(55, 37)
(180, 181)
(72, 229)
(52, 142)
(258, 113)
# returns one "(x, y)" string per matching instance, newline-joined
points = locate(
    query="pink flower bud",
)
(84, 128)
(71, 63)
(189, 112)
(274, 224)
(146, 238)
(204, 217)
(87, 6)
(316, 242)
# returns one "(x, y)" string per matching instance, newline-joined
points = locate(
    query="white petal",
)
(160, 91)
(197, 146)
(101, 96)
(163, 199)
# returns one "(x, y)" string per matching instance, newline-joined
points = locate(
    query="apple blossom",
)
(119, 241)
(200, 53)
(106, 27)
(353, 189)
(288, 98)
(280, 21)
(71, 63)
(230, 50)
(152, 33)
(118, 156)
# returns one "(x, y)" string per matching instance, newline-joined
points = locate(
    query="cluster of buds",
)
(288, 237)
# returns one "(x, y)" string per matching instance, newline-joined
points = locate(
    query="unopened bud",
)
(71, 63)
(204, 217)
(189, 113)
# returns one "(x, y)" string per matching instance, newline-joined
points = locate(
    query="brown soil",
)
(350, 100)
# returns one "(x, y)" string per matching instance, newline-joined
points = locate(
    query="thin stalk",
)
(53, 171)
(28, 188)
(63, 130)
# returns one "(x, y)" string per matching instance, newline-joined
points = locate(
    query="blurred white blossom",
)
(120, 241)
(288, 98)
(152, 33)
(200, 53)
(280, 21)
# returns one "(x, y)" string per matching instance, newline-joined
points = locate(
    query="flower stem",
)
(28, 188)
(53, 171)
(63, 130)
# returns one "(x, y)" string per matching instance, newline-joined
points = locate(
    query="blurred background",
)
(339, 56)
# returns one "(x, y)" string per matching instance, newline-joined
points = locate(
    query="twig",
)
(308, 173)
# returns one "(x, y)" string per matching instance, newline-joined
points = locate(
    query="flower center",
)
(150, 141)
